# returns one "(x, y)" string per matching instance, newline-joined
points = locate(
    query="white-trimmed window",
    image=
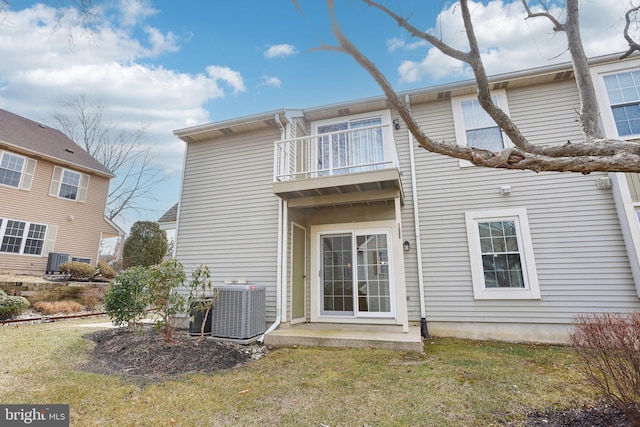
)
(474, 127)
(21, 237)
(623, 91)
(617, 88)
(16, 171)
(68, 184)
(501, 254)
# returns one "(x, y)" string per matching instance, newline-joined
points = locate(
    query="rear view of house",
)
(347, 221)
(53, 197)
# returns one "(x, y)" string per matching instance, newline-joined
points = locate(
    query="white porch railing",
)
(335, 153)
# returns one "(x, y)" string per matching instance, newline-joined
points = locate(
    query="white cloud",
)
(227, 75)
(396, 43)
(50, 65)
(510, 42)
(133, 12)
(279, 51)
(271, 81)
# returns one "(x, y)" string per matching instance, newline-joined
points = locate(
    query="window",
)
(624, 97)
(11, 167)
(68, 184)
(474, 127)
(501, 254)
(20, 237)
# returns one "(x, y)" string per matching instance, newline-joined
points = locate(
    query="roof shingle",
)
(22, 134)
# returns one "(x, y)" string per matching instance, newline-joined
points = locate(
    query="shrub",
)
(125, 301)
(145, 246)
(162, 281)
(56, 307)
(78, 270)
(201, 297)
(106, 270)
(609, 347)
(94, 297)
(11, 305)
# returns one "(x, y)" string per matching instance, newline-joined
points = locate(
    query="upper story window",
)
(21, 237)
(11, 167)
(68, 184)
(501, 254)
(624, 97)
(617, 87)
(474, 127)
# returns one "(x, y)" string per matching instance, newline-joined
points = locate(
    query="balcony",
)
(357, 165)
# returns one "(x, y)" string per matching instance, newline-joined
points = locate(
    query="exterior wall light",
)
(406, 246)
(396, 124)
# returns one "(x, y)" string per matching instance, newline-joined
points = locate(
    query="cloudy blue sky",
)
(170, 64)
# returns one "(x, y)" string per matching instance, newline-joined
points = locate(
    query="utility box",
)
(54, 261)
(239, 312)
(197, 317)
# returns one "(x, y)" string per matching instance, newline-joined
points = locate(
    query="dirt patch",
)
(589, 416)
(145, 354)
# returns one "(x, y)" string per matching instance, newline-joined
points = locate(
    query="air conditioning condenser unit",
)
(239, 312)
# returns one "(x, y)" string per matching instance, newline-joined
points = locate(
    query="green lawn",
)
(455, 383)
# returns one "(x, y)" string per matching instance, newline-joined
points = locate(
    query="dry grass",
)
(57, 307)
(455, 383)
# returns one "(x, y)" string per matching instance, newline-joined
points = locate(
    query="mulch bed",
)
(145, 353)
(589, 416)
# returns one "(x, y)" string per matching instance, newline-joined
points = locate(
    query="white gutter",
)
(279, 275)
(416, 217)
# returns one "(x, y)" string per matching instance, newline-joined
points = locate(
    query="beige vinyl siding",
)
(633, 180)
(577, 242)
(228, 213)
(79, 225)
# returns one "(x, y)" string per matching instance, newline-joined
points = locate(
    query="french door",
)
(355, 270)
(347, 150)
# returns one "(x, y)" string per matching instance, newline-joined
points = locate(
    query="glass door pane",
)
(333, 150)
(337, 274)
(374, 293)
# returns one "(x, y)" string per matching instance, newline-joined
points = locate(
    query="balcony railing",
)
(361, 149)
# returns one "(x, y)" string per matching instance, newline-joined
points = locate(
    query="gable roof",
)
(171, 215)
(37, 140)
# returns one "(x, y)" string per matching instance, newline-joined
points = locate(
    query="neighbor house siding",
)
(577, 243)
(79, 225)
(228, 213)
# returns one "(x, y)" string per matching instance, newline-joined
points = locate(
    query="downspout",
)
(279, 279)
(416, 217)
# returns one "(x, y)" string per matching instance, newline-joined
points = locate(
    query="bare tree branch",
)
(633, 45)
(123, 152)
(594, 153)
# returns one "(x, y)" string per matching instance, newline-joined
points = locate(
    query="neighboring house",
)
(53, 197)
(346, 220)
(167, 222)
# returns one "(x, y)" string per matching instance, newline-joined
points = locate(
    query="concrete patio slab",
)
(347, 335)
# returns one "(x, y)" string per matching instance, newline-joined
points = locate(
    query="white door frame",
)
(304, 287)
(398, 300)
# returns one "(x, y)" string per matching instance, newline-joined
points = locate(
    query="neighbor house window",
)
(624, 98)
(11, 167)
(474, 127)
(21, 237)
(501, 254)
(68, 184)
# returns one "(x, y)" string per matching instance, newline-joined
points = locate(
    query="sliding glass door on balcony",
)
(356, 274)
(350, 146)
